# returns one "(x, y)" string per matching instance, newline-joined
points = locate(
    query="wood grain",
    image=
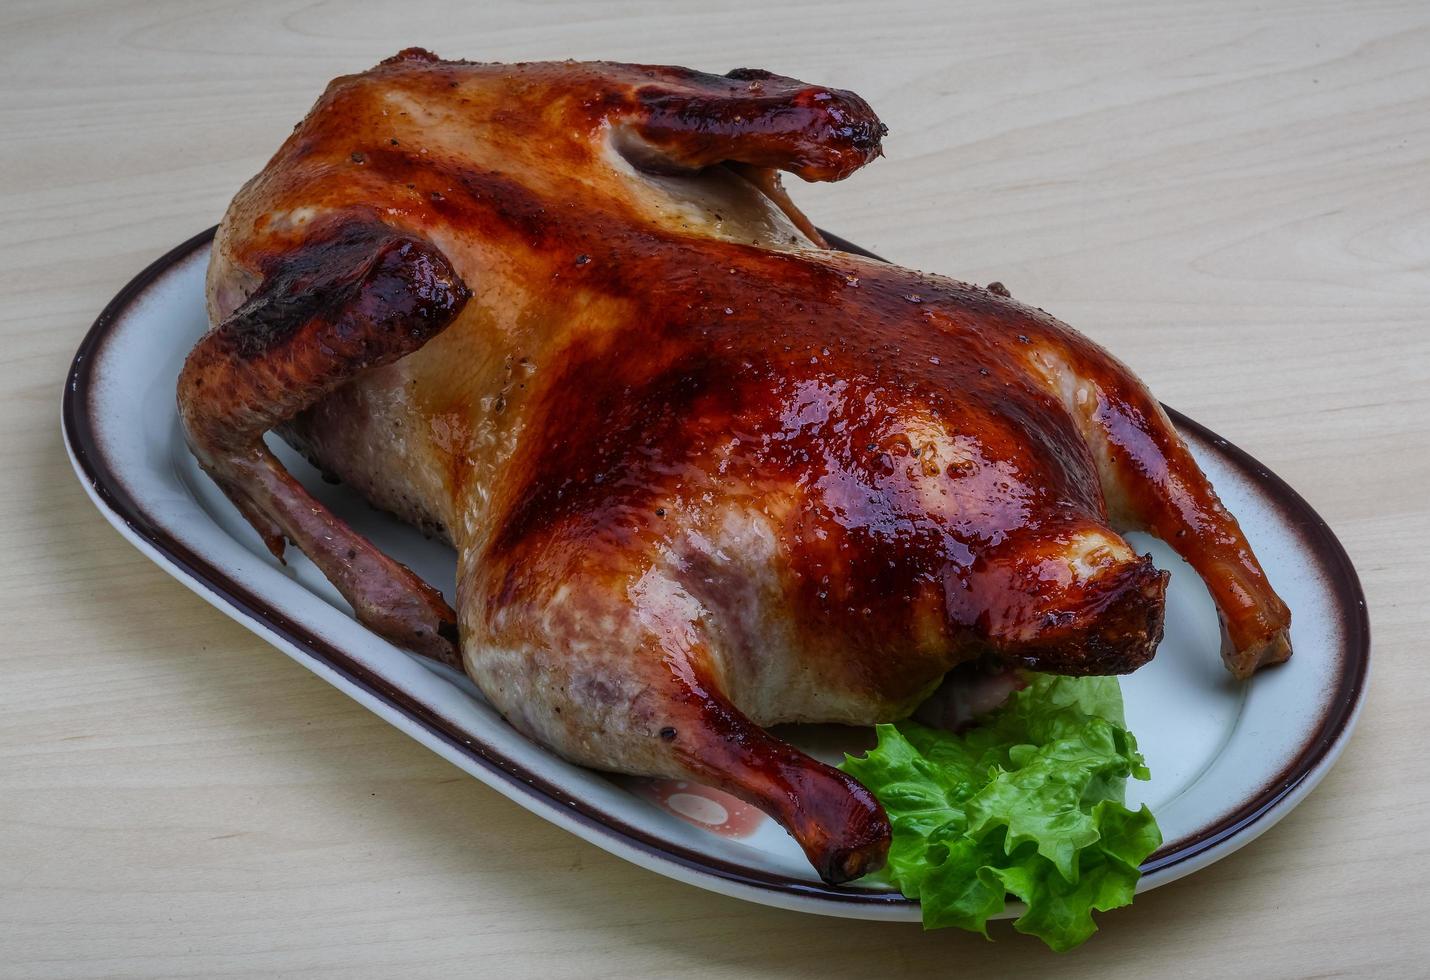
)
(1235, 198)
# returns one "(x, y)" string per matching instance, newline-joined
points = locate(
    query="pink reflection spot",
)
(703, 807)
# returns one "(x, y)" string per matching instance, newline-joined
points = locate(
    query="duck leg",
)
(1152, 483)
(356, 297)
(622, 674)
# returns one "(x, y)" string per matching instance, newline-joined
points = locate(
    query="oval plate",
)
(1228, 760)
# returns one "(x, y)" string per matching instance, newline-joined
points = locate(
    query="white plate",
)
(1228, 760)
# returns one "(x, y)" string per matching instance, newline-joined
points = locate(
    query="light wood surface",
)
(1233, 197)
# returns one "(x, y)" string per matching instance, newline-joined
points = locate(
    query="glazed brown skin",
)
(702, 474)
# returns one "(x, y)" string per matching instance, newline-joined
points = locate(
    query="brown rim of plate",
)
(1334, 567)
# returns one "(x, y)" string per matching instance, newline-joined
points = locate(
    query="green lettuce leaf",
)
(1030, 803)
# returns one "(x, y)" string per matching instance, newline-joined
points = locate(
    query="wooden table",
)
(1235, 198)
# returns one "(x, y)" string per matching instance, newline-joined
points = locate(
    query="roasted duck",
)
(703, 473)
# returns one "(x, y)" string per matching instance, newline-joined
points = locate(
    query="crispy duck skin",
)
(702, 473)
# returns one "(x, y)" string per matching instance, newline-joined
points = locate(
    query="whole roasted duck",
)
(702, 472)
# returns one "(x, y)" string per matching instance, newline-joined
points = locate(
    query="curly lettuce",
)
(1030, 803)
